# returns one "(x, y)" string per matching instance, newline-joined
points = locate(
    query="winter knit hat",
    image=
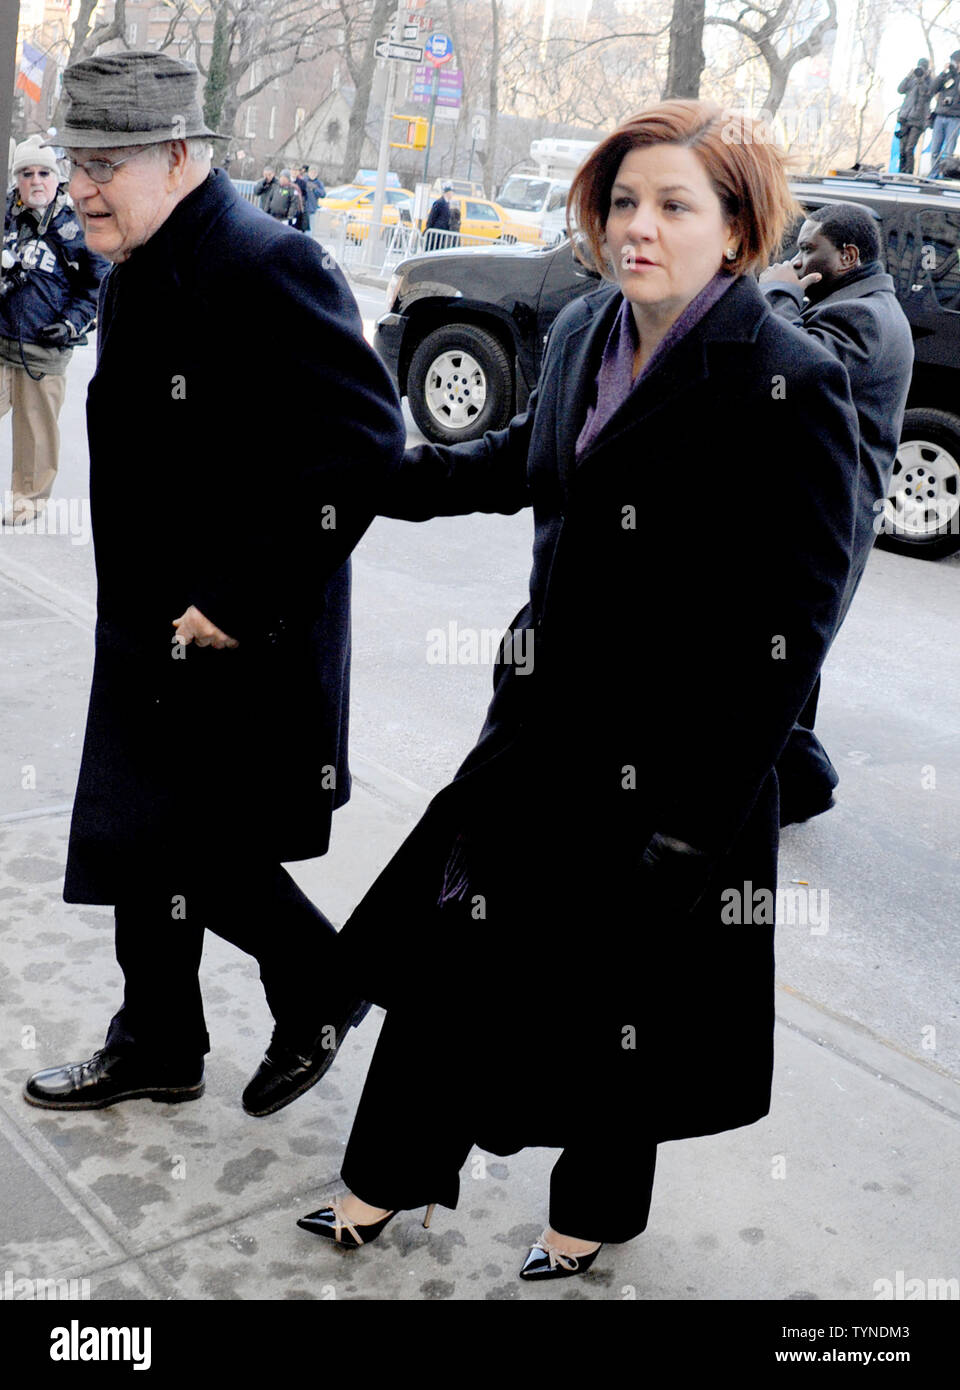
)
(31, 154)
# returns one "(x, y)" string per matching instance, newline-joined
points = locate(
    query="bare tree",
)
(766, 24)
(490, 154)
(937, 19)
(86, 40)
(362, 27)
(252, 37)
(686, 60)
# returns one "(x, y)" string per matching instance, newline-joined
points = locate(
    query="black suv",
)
(465, 332)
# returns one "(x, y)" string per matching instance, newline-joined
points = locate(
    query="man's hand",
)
(785, 271)
(192, 626)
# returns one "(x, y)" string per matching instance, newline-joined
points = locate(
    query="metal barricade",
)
(357, 242)
(378, 247)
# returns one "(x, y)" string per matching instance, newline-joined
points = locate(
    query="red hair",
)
(747, 170)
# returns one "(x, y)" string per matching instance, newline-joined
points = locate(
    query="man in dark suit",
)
(216, 738)
(851, 308)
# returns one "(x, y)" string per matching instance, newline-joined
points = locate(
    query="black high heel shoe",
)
(545, 1261)
(332, 1222)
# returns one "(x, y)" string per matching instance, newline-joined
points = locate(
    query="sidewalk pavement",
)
(850, 1181)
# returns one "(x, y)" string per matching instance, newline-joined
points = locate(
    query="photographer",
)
(914, 113)
(49, 299)
(946, 121)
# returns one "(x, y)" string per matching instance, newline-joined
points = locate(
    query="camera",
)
(12, 273)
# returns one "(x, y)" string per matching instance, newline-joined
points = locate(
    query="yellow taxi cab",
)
(482, 221)
(355, 201)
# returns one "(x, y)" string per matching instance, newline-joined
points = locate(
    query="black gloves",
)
(56, 335)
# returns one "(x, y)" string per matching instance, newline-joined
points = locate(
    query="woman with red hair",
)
(568, 944)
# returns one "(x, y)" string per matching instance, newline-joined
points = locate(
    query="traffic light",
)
(418, 128)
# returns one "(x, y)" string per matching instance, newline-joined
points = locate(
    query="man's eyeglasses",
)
(100, 170)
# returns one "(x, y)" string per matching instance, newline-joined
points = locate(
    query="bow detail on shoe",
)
(341, 1220)
(557, 1256)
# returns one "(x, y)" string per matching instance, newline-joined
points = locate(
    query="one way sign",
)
(399, 52)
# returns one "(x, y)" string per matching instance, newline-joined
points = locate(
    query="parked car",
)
(482, 220)
(397, 205)
(356, 201)
(465, 331)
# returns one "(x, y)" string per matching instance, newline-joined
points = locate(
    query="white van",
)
(540, 199)
(540, 202)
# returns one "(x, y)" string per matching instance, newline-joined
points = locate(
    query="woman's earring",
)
(730, 254)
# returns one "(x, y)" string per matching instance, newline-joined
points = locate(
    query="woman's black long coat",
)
(687, 577)
(219, 338)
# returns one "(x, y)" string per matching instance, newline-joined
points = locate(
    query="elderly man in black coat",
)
(853, 311)
(216, 743)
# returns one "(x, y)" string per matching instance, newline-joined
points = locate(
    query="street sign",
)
(449, 86)
(409, 34)
(398, 52)
(439, 49)
(478, 129)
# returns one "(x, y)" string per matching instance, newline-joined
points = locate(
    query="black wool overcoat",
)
(213, 335)
(591, 973)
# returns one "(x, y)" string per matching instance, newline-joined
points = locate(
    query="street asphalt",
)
(850, 1184)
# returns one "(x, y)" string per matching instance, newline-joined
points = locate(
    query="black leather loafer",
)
(108, 1077)
(289, 1069)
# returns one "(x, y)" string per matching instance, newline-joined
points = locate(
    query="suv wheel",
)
(459, 384)
(921, 516)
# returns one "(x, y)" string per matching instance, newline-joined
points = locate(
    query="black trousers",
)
(414, 1130)
(804, 771)
(159, 942)
(909, 135)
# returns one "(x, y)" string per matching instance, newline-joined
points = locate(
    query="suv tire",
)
(922, 513)
(459, 384)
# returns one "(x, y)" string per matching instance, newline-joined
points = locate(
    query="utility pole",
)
(376, 217)
(433, 115)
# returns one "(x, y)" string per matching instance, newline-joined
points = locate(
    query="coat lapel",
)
(579, 363)
(735, 318)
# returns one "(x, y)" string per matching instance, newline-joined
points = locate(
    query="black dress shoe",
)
(108, 1077)
(289, 1068)
(545, 1261)
(333, 1223)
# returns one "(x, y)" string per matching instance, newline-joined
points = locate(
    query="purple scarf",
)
(615, 379)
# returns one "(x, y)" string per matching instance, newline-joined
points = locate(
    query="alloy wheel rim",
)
(924, 489)
(456, 389)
